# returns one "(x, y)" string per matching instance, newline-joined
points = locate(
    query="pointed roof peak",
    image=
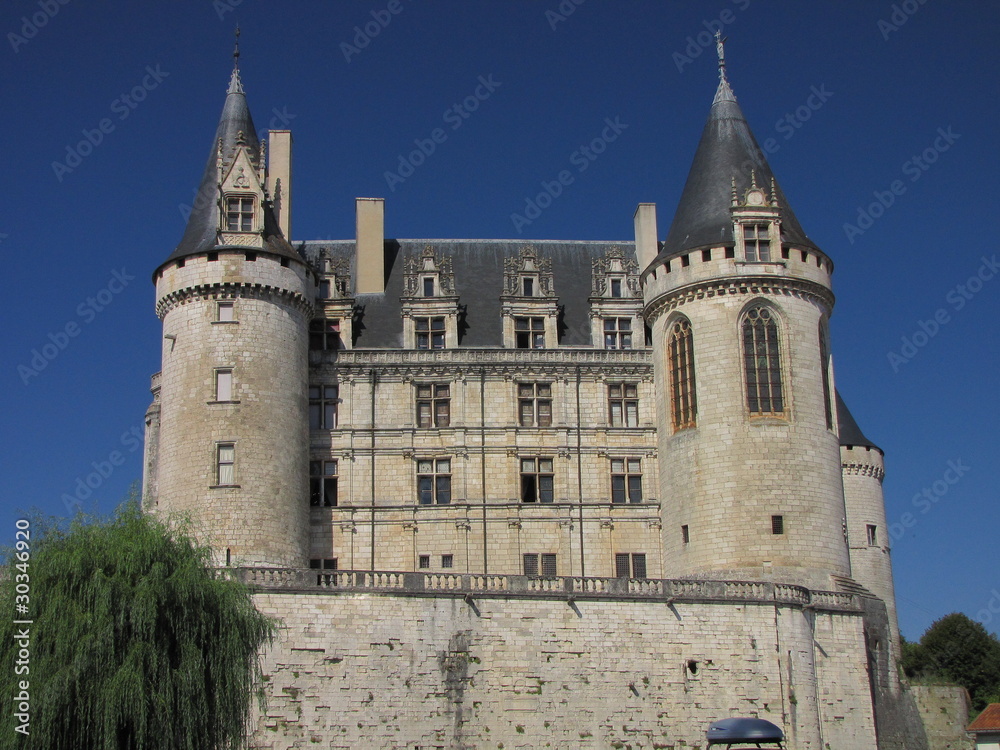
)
(850, 433)
(235, 84)
(724, 93)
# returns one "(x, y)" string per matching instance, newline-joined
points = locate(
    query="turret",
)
(738, 300)
(235, 299)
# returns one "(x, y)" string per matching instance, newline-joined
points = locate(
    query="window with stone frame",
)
(225, 312)
(433, 404)
(683, 399)
(762, 362)
(534, 404)
(630, 565)
(239, 213)
(540, 564)
(626, 480)
(429, 333)
(324, 334)
(332, 286)
(623, 404)
(224, 384)
(447, 561)
(529, 333)
(323, 401)
(777, 525)
(872, 531)
(225, 464)
(434, 481)
(618, 333)
(323, 484)
(537, 480)
(757, 242)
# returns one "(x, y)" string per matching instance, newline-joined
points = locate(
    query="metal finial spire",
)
(721, 52)
(235, 84)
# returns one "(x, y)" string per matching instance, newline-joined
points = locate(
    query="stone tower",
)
(228, 428)
(738, 300)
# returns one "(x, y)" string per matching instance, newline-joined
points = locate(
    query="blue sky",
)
(861, 103)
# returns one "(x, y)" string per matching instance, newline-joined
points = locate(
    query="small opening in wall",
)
(424, 561)
(447, 561)
(180, 263)
(777, 524)
(212, 257)
(685, 261)
(730, 252)
(693, 666)
(284, 262)
(805, 256)
(685, 534)
(785, 253)
(706, 255)
(229, 556)
(251, 257)
(666, 267)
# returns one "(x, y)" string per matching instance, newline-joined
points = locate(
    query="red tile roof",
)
(988, 720)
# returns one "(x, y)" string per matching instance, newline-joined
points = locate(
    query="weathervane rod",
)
(720, 50)
(236, 49)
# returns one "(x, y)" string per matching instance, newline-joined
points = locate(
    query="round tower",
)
(235, 300)
(738, 300)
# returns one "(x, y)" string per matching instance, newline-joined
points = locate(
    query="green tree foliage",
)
(136, 644)
(957, 650)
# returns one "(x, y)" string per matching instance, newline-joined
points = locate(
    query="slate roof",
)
(988, 720)
(850, 433)
(727, 150)
(478, 266)
(201, 232)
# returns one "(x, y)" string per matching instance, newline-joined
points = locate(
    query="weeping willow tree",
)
(135, 643)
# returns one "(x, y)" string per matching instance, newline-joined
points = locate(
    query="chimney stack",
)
(370, 246)
(279, 178)
(646, 244)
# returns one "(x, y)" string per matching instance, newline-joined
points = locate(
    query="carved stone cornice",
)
(864, 470)
(721, 287)
(231, 290)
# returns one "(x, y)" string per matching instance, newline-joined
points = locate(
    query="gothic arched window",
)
(680, 350)
(762, 359)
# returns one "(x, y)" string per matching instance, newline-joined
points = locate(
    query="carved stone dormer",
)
(528, 302)
(429, 301)
(616, 302)
(241, 188)
(756, 223)
(333, 326)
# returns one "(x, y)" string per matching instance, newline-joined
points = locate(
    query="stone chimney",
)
(370, 246)
(646, 246)
(279, 178)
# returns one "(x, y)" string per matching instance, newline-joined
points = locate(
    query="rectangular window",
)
(616, 287)
(225, 464)
(239, 214)
(323, 484)
(685, 534)
(530, 564)
(447, 561)
(428, 286)
(872, 535)
(777, 524)
(226, 312)
(534, 404)
(329, 563)
(529, 333)
(323, 400)
(537, 480)
(626, 480)
(529, 287)
(324, 334)
(433, 405)
(623, 404)
(429, 333)
(618, 333)
(630, 565)
(757, 241)
(434, 481)
(424, 561)
(223, 385)
(548, 567)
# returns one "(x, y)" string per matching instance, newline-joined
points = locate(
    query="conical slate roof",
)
(727, 150)
(850, 433)
(201, 233)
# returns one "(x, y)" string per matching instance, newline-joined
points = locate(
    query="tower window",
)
(630, 566)
(626, 480)
(617, 333)
(534, 404)
(623, 404)
(225, 312)
(224, 385)
(616, 287)
(528, 286)
(757, 242)
(777, 524)
(529, 333)
(323, 484)
(239, 214)
(763, 362)
(537, 480)
(428, 286)
(433, 405)
(824, 363)
(434, 481)
(685, 534)
(429, 333)
(682, 388)
(548, 567)
(323, 400)
(872, 535)
(225, 464)
(324, 334)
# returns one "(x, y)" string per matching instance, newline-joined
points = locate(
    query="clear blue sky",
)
(888, 92)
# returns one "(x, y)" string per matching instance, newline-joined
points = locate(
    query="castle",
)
(521, 494)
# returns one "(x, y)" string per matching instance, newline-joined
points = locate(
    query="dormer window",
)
(528, 286)
(428, 286)
(616, 287)
(757, 242)
(239, 214)
(429, 333)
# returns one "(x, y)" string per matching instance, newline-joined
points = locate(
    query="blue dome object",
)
(730, 731)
